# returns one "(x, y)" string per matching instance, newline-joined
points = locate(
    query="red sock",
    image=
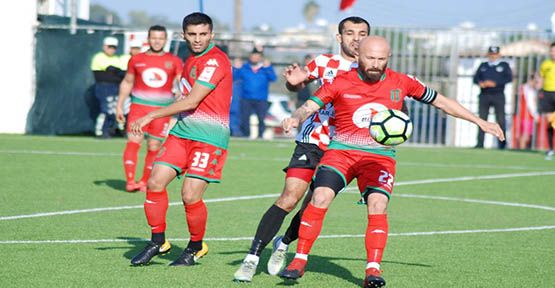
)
(311, 225)
(376, 237)
(156, 206)
(130, 160)
(197, 214)
(149, 159)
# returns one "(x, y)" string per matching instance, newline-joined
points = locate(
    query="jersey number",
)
(385, 178)
(200, 160)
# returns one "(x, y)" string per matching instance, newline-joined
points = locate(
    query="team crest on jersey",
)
(154, 77)
(193, 72)
(363, 115)
(395, 95)
(168, 64)
(212, 62)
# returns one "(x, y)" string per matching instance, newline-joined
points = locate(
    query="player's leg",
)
(499, 106)
(156, 206)
(328, 183)
(156, 131)
(483, 111)
(197, 215)
(131, 151)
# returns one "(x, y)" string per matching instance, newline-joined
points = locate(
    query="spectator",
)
(235, 112)
(492, 76)
(256, 76)
(547, 97)
(528, 111)
(107, 75)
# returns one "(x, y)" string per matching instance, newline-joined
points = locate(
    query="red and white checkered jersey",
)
(319, 128)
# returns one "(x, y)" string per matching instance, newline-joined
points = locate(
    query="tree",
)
(99, 13)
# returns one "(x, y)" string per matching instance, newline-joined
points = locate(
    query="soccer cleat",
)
(152, 249)
(189, 256)
(141, 186)
(246, 271)
(295, 270)
(549, 155)
(131, 186)
(278, 258)
(373, 279)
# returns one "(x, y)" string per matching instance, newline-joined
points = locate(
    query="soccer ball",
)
(390, 127)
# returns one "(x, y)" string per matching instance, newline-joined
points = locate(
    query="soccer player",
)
(196, 146)
(150, 77)
(352, 153)
(547, 97)
(312, 140)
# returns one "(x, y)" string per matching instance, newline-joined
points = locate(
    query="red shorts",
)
(372, 171)
(157, 128)
(192, 158)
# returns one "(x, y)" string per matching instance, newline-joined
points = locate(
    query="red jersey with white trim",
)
(356, 100)
(319, 128)
(209, 122)
(154, 75)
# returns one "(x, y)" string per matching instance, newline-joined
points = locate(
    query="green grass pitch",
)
(458, 218)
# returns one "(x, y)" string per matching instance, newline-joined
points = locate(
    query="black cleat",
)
(152, 249)
(189, 256)
(373, 279)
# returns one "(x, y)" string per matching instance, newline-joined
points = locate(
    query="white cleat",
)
(278, 259)
(246, 271)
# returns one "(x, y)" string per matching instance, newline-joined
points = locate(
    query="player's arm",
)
(455, 109)
(296, 77)
(124, 91)
(198, 92)
(300, 115)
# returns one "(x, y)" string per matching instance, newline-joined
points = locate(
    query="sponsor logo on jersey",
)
(140, 65)
(363, 115)
(352, 96)
(154, 77)
(212, 62)
(329, 74)
(207, 74)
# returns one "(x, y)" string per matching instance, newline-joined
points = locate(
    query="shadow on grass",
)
(116, 184)
(138, 244)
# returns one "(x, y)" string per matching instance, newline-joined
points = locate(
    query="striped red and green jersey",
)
(154, 75)
(209, 122)
(356, 100)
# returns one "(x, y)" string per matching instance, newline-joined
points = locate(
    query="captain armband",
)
(428, 96)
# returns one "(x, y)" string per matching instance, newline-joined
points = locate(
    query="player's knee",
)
(154, 184)
(322, 197)
(154, 145)
(287, 202)
(377, 202)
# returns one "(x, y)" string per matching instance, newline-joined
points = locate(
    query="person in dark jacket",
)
(492, 76)
(255, 76)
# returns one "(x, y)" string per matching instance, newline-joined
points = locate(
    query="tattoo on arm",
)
(303, 112)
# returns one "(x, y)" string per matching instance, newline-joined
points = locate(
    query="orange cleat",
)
(295, 270)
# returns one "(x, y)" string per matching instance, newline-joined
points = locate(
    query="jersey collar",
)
(210, 46)
(361, 77)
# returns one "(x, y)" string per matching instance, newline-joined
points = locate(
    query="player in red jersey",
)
(149, 79)
(196, 146)
(312, 140)
(352, 153)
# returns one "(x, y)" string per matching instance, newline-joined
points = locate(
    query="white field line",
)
(425, 233)
(243, 156)
(417, 182)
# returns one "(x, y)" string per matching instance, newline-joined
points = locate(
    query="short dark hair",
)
(354, 19)
(157, 28)
(197, 18)
(552, 45)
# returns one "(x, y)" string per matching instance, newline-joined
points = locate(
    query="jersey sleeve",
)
(213, 71)
(418, 90)
(325, 94)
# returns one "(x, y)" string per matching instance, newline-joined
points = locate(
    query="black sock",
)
(550, 136)
(292, 232)
(195, 245)
(267, 228)
(158, 238)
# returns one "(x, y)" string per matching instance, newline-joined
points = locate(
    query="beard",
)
(374, 75)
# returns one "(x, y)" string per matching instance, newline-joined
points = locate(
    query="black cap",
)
(493, 49)
(256, 51)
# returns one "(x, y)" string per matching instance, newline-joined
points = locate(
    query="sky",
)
(425, 13)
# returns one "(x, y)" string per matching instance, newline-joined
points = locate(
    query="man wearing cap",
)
(492, 76)
(107, 75)
(255, 76)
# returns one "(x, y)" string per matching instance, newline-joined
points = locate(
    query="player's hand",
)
(267, 63)
(119, 115)
(493, 129)
(295, 75)
(288, 124)
(137, 126)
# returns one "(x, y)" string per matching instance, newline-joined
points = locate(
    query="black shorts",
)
(305, 156)
(547, 101)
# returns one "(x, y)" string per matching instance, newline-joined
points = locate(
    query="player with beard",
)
(312, 140)
(197, 145)
(352, 153)
(149, 79)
